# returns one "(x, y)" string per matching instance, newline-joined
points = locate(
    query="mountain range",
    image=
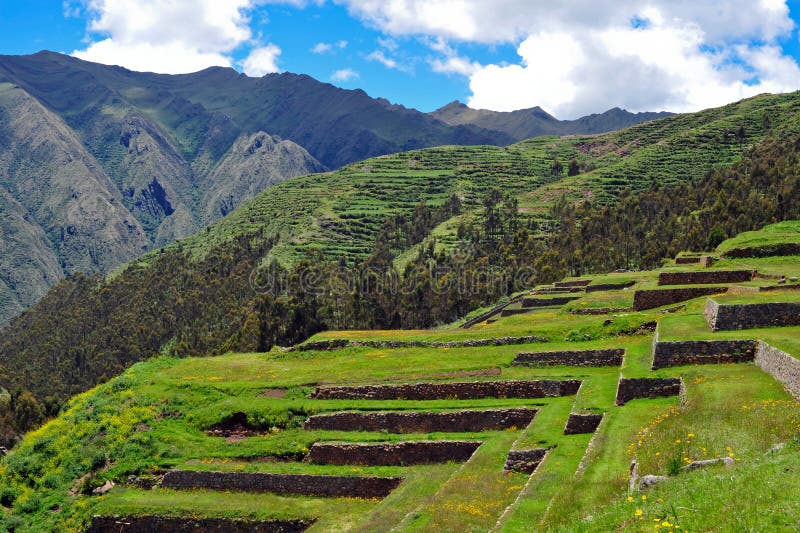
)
(99, 164)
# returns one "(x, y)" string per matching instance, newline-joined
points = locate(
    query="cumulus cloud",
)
(578, 57)
(343, 75)
(177, 36)
(261, 60)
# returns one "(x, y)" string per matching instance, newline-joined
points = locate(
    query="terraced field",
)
(440, 430)
(341, 212)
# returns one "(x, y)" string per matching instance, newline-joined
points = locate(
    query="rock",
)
(632, 483)
(727, 461)
(776, 448)
(650, 480)
(107, 486)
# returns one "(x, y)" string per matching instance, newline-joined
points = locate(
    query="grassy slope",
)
(154, 417)
(780, 233)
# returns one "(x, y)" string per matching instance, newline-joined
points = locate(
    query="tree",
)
(573, 169)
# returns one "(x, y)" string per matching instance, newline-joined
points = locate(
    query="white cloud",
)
(174, 36)
(578, 57)
(321, 48)
(261, 60)
(382, 58)
(510, 20)
(343, 75)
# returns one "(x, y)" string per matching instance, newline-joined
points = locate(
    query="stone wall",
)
(543, 302)
(468, 390)
(780, 365)
(337, 344)
(166, 524)
(392, 453)
(748, 316)
(686, 260)
(707, 261)
(573, 283)
(633, 388)
(651, 298)
(701, 352)
(305, 485)
(610, 286)
(525, 461)
(612, 357)
(704, 277)
(423, 422)
(767, 250)
(578, 423)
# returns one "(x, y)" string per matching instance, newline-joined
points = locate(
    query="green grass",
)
(155, 417)
(780, 233)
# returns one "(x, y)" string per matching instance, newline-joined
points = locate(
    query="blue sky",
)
(570, 57)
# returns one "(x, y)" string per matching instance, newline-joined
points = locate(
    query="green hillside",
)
(243, 414)
(373, 247)
(341, 212)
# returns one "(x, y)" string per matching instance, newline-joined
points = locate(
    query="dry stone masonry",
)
(532, 303)
(471, 390)
(633, 388)
(704, 277)
(578, 423)
(652, 298)
(301, 484)
(780, 365)
(424, 422)
(747, 316)
(767, 250)
(525, 461)
(166, 524)
(701, 352)
(392, 453)
(610, 286)
(338, 344)
(612, 357)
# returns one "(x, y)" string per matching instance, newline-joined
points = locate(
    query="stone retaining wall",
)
(573, 283)
(468, 390)
(525, 461)
(392, 453)
(166, 524)
(651, 298)
(600, 310)
(337, 344)
(680, 260)
(305, 485)
(578, 423)
(610, 286)
(701, 352)
(767, 250)
(704, 277)
(633, 388)
(542, 302)
(780, 365)
(612, 357)
(423, 422)
(748, 316)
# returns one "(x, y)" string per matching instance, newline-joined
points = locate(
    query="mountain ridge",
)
(525, 123)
